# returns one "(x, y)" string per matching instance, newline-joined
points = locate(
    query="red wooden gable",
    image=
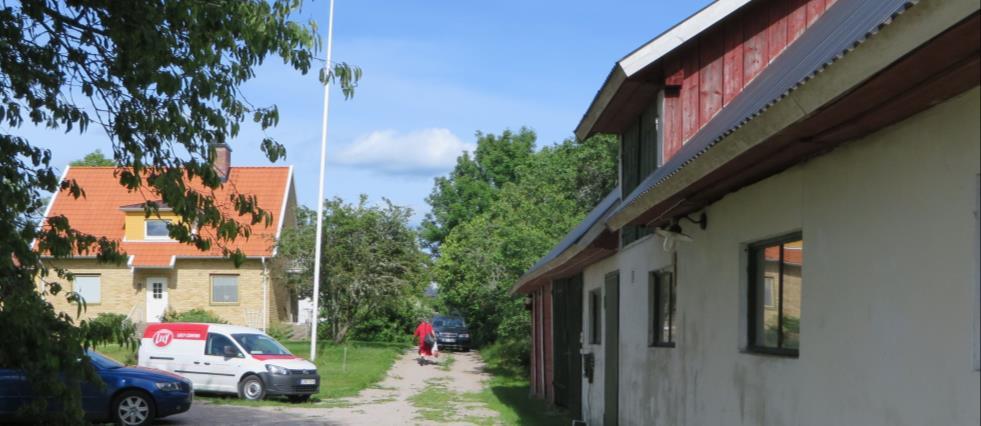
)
(708, 72)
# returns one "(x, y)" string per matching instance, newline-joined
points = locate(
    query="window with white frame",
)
(156, 229)
(224, 289)
(89, 287)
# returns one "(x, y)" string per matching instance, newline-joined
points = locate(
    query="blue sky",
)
(435, 72)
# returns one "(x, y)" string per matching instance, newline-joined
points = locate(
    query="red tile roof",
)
(791, 255)
(98, 212)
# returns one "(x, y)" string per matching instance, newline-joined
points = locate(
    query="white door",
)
(156, 298)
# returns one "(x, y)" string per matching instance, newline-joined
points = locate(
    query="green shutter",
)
(630, 158)
(648, 141)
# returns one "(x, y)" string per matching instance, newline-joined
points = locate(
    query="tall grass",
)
(508, 390)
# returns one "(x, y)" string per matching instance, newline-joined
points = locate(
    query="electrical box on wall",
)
(588, 365)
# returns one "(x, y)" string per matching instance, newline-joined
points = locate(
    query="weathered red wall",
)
(709, 71)
(542, 351)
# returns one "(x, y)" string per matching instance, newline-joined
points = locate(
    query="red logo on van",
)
(163, 337)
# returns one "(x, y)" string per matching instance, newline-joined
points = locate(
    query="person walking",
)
(427, 338)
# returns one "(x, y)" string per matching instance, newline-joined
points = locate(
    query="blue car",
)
(132, 395)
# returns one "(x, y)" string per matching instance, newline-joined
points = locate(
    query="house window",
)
(775, 295)
(156, 290)
(89, 287)
(595, 306)
(662, 308)
(224, 289)
(156, 229)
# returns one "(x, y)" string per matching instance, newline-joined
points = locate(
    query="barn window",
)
(662, 308)
(595, 312)
(775, 279)
(640, 147)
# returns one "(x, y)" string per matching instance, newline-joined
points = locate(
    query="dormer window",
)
(156, 229)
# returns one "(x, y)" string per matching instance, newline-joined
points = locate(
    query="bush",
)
(280, 331)
(117, 325)
(508, 356)
(193, 315)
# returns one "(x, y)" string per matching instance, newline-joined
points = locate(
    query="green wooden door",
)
(611, 370)
(567, 311)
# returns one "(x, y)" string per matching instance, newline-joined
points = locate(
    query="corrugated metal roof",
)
(597, 215)
(844, 26)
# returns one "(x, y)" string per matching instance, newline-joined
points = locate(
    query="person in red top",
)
(424, 329)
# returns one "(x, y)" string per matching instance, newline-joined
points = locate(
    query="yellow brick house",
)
(163, 274)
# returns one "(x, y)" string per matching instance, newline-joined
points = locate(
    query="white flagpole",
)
(320, 195)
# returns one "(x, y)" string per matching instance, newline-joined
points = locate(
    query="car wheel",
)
(133, 408)
(251, 388)
(298, 398)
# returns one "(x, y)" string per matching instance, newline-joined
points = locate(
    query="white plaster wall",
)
(887, 324)
(592, 404)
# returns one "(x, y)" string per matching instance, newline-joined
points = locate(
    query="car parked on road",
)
(229, 359)
(131, 396)
(451, 332)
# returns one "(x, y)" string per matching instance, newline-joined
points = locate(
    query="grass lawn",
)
(365, 365)
(508, 394)
(123, 354)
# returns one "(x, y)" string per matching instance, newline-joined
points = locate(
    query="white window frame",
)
(77, 287)
(146, 228)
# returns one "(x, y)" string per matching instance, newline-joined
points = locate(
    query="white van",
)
(228, 358)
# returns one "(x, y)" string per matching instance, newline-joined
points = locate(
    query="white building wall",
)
(888, 299)
(592, 404)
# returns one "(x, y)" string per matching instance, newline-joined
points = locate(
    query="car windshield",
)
(448, 323)
(102, 362)
(260, 344)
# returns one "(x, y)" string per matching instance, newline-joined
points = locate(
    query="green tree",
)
(482, 257)
(94, 158)
(163, 80)
(373, 271)
(473, 184)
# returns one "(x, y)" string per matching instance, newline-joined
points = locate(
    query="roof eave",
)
(600, 102)
(650, 53)
(893, 42)
(592, 234)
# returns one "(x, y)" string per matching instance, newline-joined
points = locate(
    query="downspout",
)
(265, 295)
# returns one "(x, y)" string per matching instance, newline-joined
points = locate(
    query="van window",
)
(259, 344)
(216, 345)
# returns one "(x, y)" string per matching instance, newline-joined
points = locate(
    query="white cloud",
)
(427, 151)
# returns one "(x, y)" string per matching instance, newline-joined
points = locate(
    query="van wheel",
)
(298, 398)
(133, 408)
(251, 388)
